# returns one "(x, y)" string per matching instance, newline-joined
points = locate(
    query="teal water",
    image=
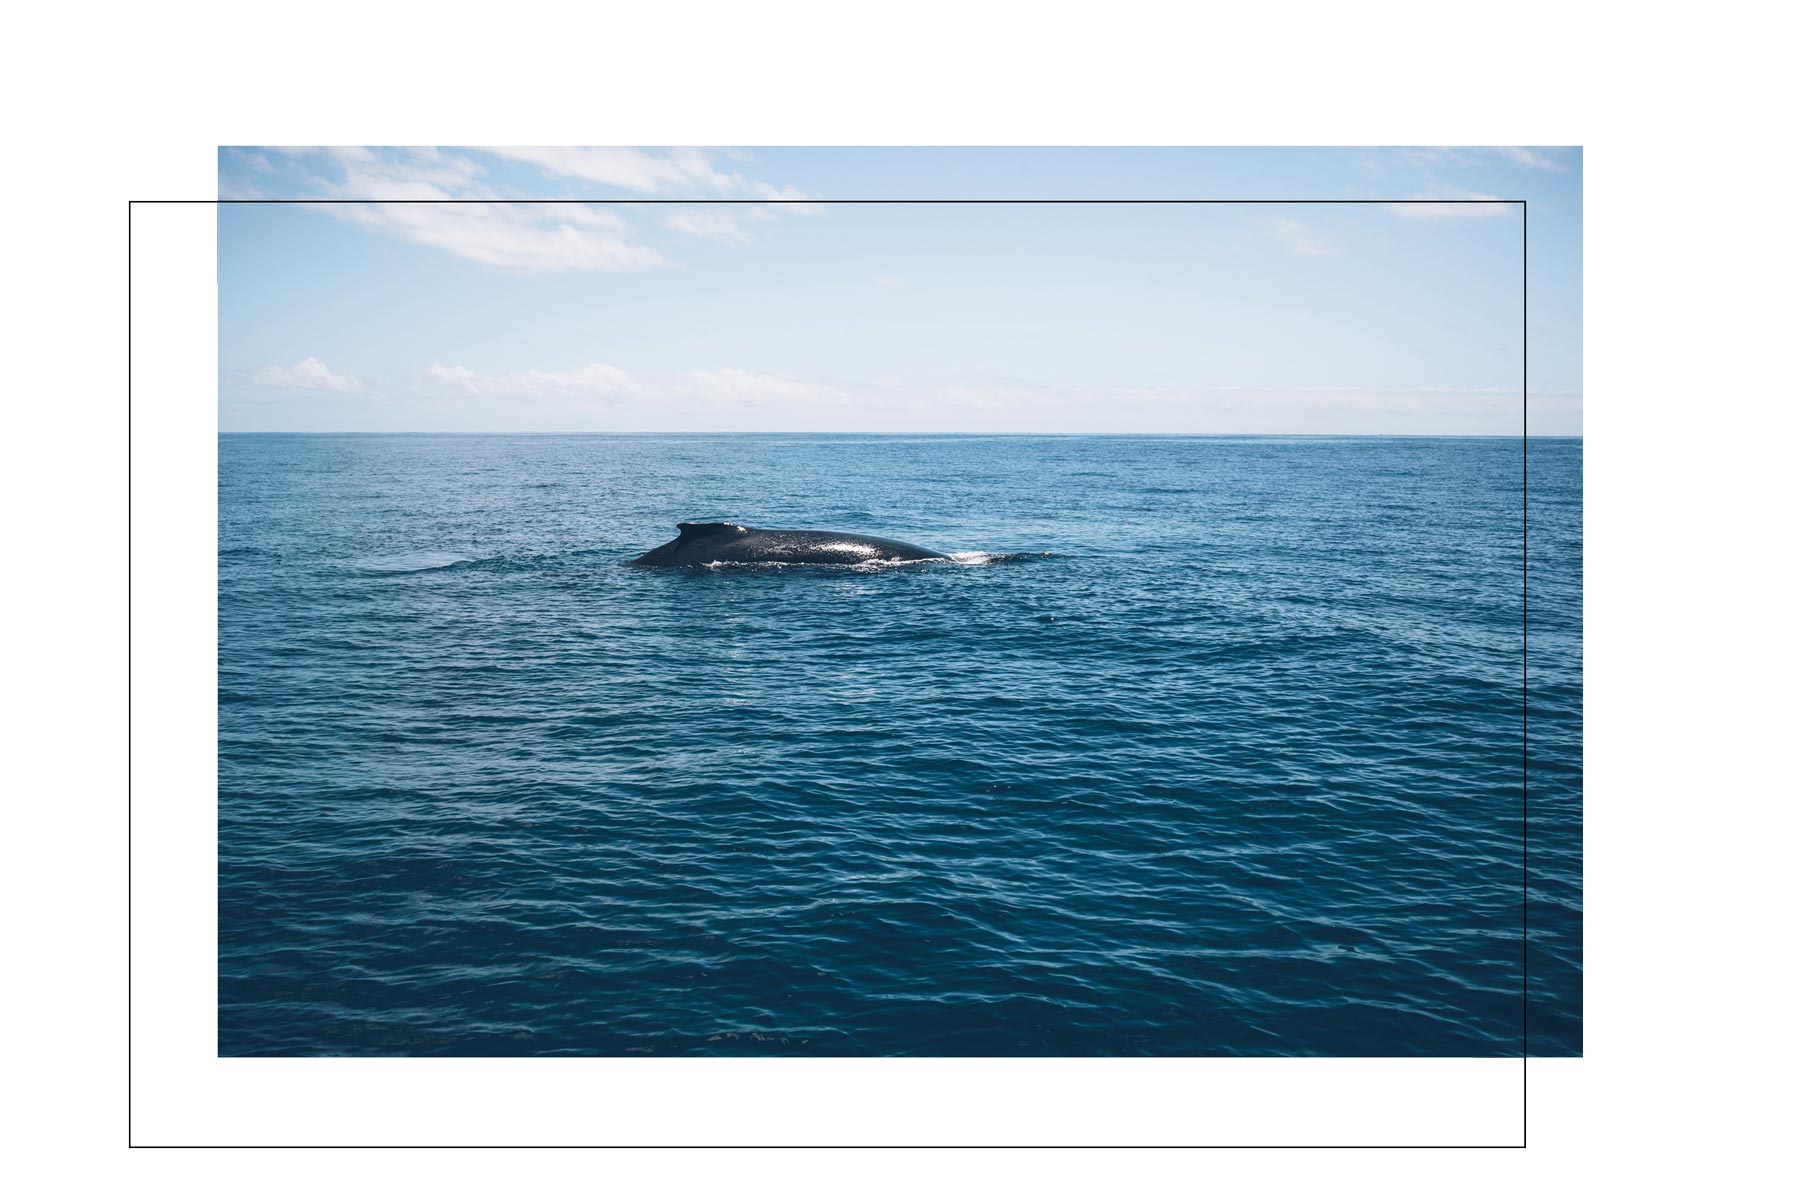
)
(1207, 747)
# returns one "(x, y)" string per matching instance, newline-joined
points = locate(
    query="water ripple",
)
(1223, 759)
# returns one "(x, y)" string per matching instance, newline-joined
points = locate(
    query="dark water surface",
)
(1255, 790)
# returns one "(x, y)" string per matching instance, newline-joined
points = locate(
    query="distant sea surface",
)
(1209, 747)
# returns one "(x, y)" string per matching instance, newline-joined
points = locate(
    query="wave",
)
(412, 562)
(966, 559)
(983, 558)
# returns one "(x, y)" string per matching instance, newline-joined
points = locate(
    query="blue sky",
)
(787, 311)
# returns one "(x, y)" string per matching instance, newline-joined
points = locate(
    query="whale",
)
(701, 543)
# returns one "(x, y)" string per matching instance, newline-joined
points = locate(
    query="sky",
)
(586, 288)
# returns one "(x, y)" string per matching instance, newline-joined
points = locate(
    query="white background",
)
(1689, 653)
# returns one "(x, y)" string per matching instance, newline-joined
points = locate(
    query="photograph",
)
(899, 601)
(982, 600)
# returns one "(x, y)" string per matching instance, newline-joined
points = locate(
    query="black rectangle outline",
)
(1525, 429)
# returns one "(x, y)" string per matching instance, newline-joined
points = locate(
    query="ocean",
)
(1205, 747)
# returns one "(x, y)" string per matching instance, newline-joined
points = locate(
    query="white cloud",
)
(309, 373)
(259, 163)
(1017, 404)
(635, 169)
(725, 386)
(1541, 158)
(446, 200)
(629, 167)
(461, 376)
(595, 381)
(528, 238)
(732, 385)
(1432, 156)
(1472, 204)
(531, 239)
(720, 224)
(1297, 237)
(787, 199)
(1000, 394)
(1526, 156)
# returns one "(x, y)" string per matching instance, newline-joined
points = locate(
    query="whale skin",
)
(702, 543)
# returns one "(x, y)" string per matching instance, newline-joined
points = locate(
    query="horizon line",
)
(903, 433)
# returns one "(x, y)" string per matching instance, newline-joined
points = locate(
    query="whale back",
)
(707, 529)
(701, 543)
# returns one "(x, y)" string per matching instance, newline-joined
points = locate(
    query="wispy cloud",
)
(450, 200)
(1528, 156)
(1453, 203)
(717, 224)
(1539, 157)
(1002, 403)
(788, 199)
(723, 386)
(524, 238)
(529, 239)
(308, 374)
(597, 381)
(599, 395)
(995, 392)
(1297, 237)
(732, 384)
(628, 167)
(652, 172)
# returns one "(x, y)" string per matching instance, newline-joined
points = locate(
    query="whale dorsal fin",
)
(702, 529)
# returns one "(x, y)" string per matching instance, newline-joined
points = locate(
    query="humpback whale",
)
(727, 542)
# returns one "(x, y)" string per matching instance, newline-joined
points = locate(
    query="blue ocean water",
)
(1224, 758)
